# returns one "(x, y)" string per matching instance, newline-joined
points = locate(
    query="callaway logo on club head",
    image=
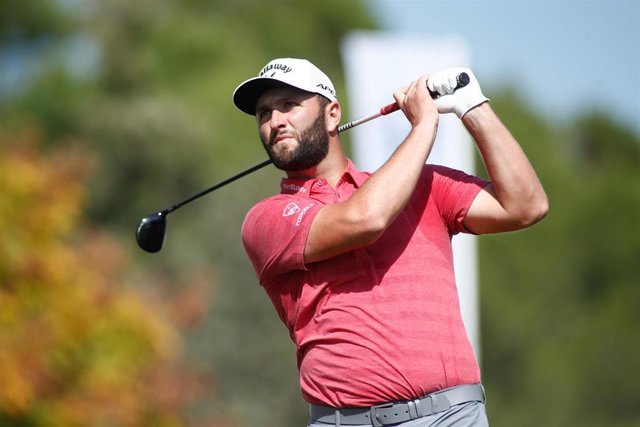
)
(291, 209)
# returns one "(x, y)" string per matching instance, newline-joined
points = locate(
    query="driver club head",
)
(151, 232)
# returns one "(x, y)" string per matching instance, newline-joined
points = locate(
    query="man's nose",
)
(278, 119)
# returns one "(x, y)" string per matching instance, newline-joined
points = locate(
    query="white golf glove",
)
(451, 100)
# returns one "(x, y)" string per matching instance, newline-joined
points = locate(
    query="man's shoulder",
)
(275, 204)
(274, 199)
(436, 171)
(440, 169)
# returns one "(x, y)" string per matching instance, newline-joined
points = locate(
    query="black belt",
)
(399, 412)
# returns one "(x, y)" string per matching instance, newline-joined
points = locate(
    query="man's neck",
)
(331, 168)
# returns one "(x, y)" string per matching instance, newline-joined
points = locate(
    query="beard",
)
(313, 146)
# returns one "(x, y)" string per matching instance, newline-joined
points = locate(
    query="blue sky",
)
(564, 56)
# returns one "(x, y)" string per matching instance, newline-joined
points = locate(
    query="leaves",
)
(558, 301)
(77, 346)
(93, 331)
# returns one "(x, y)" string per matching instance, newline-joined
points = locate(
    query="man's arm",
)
(361, 220)
(515, 198)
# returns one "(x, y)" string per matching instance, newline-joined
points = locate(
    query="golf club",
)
(461, 81)
(152, 229)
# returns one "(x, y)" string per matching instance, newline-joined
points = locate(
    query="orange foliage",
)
(77, 346)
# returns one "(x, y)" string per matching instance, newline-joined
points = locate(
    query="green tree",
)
(559, 317)
(154, 110)
(78, 346)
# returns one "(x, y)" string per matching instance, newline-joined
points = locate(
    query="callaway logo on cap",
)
(283, 72)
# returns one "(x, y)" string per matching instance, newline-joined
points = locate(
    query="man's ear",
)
(333, 114)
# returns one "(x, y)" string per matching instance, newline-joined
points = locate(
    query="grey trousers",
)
(470, 414)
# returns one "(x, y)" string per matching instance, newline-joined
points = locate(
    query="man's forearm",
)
(391, 186)
(362, 219)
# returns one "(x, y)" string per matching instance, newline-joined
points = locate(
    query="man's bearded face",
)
(312, 147)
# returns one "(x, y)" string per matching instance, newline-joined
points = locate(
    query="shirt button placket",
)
(321, 187)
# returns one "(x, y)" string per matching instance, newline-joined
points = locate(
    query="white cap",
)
(283, 72)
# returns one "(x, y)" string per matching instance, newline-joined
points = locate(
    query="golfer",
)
(359, 265)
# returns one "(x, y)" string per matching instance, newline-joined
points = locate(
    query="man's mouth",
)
(280, 137)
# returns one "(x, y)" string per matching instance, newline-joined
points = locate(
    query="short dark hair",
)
(322, 101)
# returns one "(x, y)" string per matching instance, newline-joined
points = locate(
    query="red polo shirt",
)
(378, 324)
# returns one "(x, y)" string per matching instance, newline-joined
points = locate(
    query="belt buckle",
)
(374, 418)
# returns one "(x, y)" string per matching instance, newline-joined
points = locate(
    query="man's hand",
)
(416, 104)
(455, 101)
(361, 219)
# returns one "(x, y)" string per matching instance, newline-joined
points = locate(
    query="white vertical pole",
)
(377, 63)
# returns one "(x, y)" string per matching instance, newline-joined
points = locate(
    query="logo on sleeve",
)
(304, 211)
(291, 209)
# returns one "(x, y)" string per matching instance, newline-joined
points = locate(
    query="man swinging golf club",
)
(359, 265)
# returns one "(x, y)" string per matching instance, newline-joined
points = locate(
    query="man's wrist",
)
(425, 129)
(477, 112)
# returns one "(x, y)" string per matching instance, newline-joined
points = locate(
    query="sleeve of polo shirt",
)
(454, 191)
(274, 234)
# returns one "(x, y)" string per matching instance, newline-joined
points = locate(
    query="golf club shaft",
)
(388, 109)
(462, 80)
(383, 112)
(218, 185)
(268, 162)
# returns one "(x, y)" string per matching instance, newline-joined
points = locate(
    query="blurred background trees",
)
(558, 302)
(118, 108)
(78, 345)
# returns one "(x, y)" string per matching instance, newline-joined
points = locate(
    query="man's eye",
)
(264, 115)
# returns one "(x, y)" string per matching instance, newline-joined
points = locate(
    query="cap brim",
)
(246, 95)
